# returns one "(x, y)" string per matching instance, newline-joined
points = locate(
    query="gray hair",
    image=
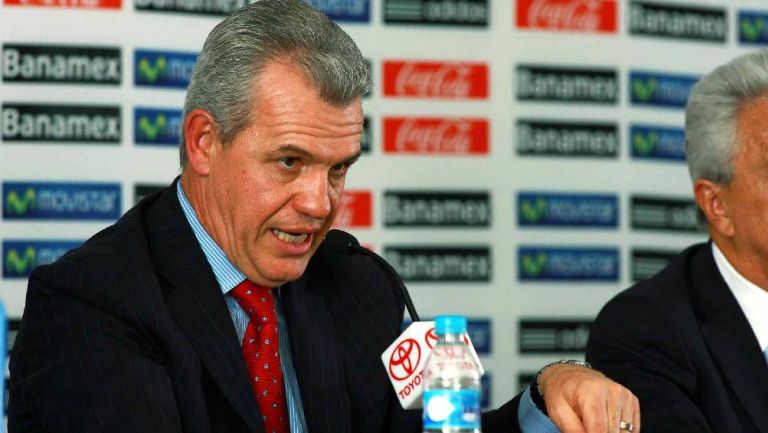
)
(225, 78)
(711, 115)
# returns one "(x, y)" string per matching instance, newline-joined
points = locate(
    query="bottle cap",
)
(450, 325)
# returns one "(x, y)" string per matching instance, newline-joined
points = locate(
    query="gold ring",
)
(623, 425)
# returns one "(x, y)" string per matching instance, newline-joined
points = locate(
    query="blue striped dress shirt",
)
(228, 277)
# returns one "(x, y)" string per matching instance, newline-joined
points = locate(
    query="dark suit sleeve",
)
(503, 419)
(76, 368)
(633, 343)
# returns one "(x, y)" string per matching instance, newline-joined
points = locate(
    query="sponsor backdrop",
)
(523, 159)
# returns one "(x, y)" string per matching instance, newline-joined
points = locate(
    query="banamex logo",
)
(455, 136)
(452, 80)
(208, 7)
(573, 15)
(61, 64)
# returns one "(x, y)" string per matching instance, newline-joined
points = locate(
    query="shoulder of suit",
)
(669, 289)
(110, 259)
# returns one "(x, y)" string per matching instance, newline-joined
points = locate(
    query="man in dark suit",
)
(690, 341)
(224, 303)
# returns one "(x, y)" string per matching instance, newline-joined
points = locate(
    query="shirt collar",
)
(752, 299)
(227, 275)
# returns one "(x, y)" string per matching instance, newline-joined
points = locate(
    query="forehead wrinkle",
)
(296, 122)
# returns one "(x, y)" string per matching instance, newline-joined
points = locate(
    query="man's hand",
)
(582, 400)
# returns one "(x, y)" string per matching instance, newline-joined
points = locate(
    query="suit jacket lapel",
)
(316, 358)
(730, 339)
(197, 305)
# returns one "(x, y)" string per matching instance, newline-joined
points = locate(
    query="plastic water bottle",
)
(451, 381)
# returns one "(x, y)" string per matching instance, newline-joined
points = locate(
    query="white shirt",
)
(752, 299)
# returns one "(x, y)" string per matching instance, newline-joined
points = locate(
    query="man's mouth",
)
(294, 238)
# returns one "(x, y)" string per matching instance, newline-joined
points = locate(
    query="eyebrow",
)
(290, 148)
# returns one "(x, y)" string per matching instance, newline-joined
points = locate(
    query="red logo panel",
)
(455, 80)
(355, 210)
(83, 4)
(575, 15)
(454, 136)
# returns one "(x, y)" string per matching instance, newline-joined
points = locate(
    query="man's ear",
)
(711, 198)
(201, 138)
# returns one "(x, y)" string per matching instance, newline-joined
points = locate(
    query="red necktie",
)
(261, 350)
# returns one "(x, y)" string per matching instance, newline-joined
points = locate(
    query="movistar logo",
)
(61, 200)
(149, 129)
(533, 210)
(157, 126)
(660, 89)
(533, 264)
(644, 142)
(751, 30)
(568, 263)
(657, 142)
(20, 202)
(20, 257)
(151, 72)
(20, 262)
(644, 88)
(163, 68)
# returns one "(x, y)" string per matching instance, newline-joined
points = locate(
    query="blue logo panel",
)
(355, 11)
(543, 209)
(568, 264)
(753, 27)
(61, 201)
(163, 68)
(479, 331)
(660, 90)
(657, 142)
(20, 257)
(154, 126)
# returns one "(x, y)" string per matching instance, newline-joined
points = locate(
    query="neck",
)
(743, 261)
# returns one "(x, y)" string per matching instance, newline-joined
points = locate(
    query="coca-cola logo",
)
(404, 359)
(581, 15)
(436, 80)
(85, 4)
(450, 136)
(354, 210)
(429, 135)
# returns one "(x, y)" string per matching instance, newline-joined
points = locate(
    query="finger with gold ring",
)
(623, 425)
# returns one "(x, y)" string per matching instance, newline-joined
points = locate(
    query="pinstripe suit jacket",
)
(681, 343)
(130, 333)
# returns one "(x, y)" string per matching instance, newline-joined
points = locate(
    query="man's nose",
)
(313, 197)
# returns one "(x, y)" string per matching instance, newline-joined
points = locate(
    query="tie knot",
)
(257, 301)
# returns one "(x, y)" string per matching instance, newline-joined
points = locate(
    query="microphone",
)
(405, 359)
(355, 246)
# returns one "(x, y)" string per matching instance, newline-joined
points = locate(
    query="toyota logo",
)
(404, 359)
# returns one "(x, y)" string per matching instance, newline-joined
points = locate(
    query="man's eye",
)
(289, 162)
(340, 168)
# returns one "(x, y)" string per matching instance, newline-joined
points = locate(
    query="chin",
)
(290, 272)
